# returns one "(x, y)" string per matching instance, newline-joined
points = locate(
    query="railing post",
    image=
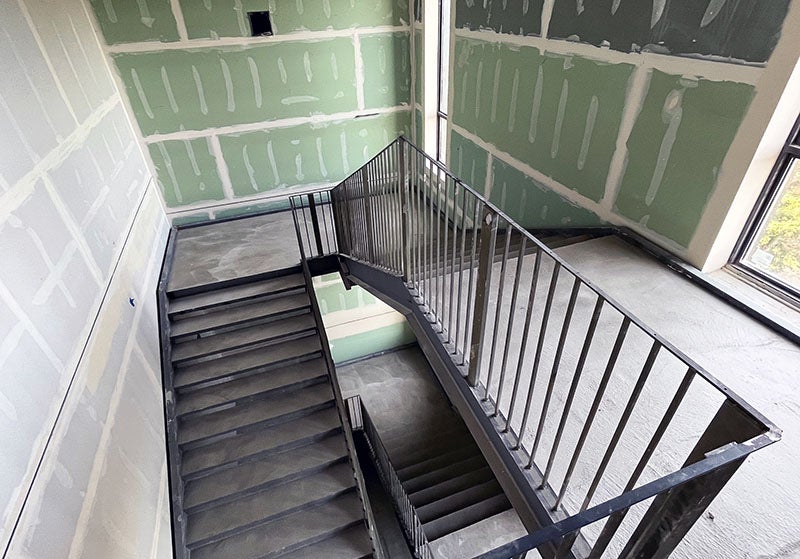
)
(483, 287)
(368, 214)
(401, 172)
(312, 206)
(673, 513)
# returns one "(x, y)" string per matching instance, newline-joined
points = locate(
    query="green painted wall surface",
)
(520, 17)
(532, 205)
(306, 154)
(387, 69)
(680, 138)
(197, 89)
(123, 21)
(187, 171)
(468, 161)
(559, 114)
(357, 323)
(228, 18)
(419, 58)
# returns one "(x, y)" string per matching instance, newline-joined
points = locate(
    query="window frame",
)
(789, 154)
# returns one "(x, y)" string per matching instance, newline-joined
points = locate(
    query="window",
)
(769, 250)
(443, 74)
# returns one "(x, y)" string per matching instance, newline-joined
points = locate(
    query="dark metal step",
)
(249, 387)
(218, 345)
(289, 533)
(269, 410)
(258, 359)
(202, 301)
(229, 318)
(437, 462)
(248, 447)
(466, 516)
(319, 445)
(457, 501)
(435, 477)
(353, 543)
(274, 502)
(450, 486)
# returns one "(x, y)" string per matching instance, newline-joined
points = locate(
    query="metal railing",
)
(314, 217)
(595, 406)
(361, 421)
(347, 428)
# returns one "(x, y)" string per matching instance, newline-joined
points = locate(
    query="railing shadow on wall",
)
(625, 439)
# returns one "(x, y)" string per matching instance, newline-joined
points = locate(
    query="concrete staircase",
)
(263, 465)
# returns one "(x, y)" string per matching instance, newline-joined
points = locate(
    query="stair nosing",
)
(256, 456)
(288, 478)
(282, 389)
(256, 425)
(266, 520)
(265, 295)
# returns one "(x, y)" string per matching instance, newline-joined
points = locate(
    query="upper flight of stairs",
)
(264, 467)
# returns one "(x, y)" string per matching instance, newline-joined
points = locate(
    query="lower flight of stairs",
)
(264, 468)
(446, 477)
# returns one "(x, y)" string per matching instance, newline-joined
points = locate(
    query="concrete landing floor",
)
(236, 248)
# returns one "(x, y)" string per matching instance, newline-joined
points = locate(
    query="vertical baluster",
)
(446, 227)
(470, 292)
(615, 520)
(498, 311)
(426, 242)
(461, 264)
(587, 343)
(612, 361)
(576, 284)
(510, 331)
(431, 247)
(539, 347)
(482, 292)
(405, 208)
(433, 191)
(452, 333)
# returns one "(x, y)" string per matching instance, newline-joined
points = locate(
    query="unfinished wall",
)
(81, 233)
(625, 109)
(356, 322)
(230, 119)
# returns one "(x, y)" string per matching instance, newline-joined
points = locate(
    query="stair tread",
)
(353, 543)
(251, 386)
(264, 506)
(440, 475)
(314, 453)
(251, 360)
(436, 462)
(465, 517)
(219, 343)
(288, 533)
(450, 486)
(227, 316)
(255, 444)
(459, 500)
(413, 448)
(268, 408)
(236, 293)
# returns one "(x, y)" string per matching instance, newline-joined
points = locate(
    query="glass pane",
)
(442, 139)
(444, 45)
(775, 250)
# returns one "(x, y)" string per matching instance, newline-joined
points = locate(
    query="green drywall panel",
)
(308, 153)
(198, 89)
(532, 205)
(124, 21)
(369, 343)
(387, 69)
(675, 150)
(187, 171)
(228, 18)
(559, 114)
(281, 204)
(468, 162)
(516, 17)
(418, 128)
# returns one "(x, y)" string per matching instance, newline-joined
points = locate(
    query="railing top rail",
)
(667, 345)
(627, 499)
